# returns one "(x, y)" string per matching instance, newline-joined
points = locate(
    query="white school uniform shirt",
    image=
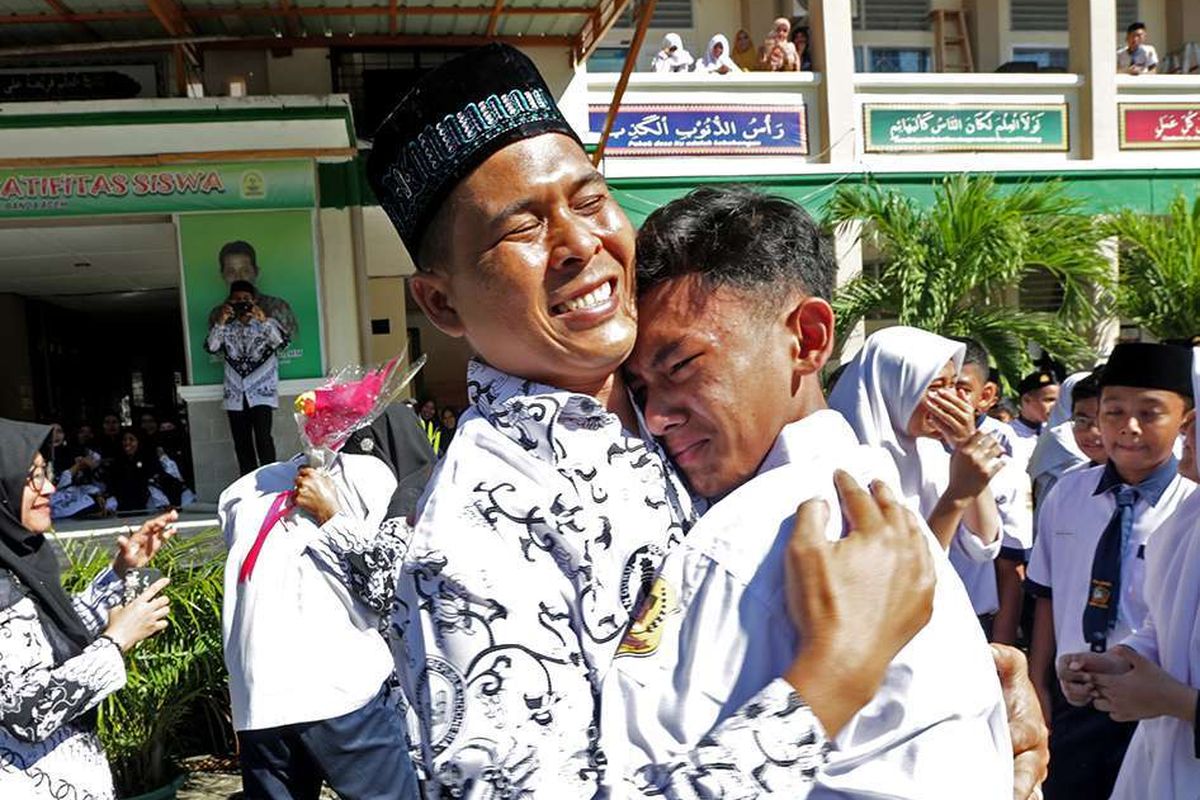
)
(1024, 439)
(1014, 504)
(298, 645)
(1071, 520)
(539, 532)
(719, 632)
(1144, 56)
(1161, 760)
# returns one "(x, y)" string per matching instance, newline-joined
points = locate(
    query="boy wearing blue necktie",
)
(1088, 566)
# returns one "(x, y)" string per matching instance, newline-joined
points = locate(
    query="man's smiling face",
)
(534, 265)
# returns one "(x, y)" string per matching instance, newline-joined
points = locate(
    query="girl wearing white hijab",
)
(672, 57)
(1152, 676)
(717, 58)
(898, 394)
(1056, 450)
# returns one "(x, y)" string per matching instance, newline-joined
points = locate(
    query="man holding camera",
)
(248, 340)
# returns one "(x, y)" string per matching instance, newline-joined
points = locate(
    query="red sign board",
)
(1158, 126)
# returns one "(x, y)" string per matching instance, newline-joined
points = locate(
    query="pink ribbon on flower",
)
(280, 507)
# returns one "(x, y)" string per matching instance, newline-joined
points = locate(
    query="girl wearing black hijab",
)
(59, 655)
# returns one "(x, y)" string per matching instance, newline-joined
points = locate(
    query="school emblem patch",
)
(646, 629)
(1100, 595)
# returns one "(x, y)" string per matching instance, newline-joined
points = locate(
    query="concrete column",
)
(1107, 331)
(832, 33)
(848, 251)
(1182, 22)
(1093, 26)
(988, 20)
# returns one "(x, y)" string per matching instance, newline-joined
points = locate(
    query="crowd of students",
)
(1093, 492)
(116, 469)
(782, 50)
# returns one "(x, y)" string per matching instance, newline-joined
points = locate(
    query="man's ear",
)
(811, 323)
(431, 292)
(989, 396)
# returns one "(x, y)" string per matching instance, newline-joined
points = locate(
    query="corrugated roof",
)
(65, 22)
(35, 23)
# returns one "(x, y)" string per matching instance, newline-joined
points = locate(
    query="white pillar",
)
(831, 32)
(847, 249)
(1093, 30)
(1108, 329)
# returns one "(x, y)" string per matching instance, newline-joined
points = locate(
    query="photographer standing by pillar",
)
(248, 340)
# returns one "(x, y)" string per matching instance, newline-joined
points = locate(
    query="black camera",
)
(241, 308)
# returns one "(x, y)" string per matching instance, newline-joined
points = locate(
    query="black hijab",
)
(129, 476)
(396, 439)
(27, 555)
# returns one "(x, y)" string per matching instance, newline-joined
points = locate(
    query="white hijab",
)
(1056, 450)
(678, 61)
(878, 394)
(711, 64)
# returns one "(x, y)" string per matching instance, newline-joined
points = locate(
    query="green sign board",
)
(945, 128)
(70, 191)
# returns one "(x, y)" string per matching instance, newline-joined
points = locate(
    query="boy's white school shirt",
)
(299, 645)
(1161, 760)
(937, 728)
(1071, 520)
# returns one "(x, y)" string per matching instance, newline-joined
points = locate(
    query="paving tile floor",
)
(216, 786)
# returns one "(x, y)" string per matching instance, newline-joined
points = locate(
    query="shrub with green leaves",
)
(949, 267)
(175, 678)
(1160, 269)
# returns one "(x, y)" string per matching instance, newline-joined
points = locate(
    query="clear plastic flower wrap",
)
(350, 399)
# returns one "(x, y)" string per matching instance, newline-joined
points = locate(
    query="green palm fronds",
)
(1160, 269)
(953, 267)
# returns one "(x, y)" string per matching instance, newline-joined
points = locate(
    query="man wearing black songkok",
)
(546, 521)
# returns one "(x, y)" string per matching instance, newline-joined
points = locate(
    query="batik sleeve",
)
(364, 557)
(772, 746)
(36, 702)
(216, 338)
(94, 602)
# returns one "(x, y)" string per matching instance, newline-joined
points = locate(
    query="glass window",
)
(899, 59)
(1044, 57)
(891, 15)
(607, 59)
(668, 15)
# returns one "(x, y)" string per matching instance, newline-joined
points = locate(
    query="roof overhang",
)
(33, 26)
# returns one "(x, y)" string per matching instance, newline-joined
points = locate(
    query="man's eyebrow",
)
(665, 352)
(590, 178)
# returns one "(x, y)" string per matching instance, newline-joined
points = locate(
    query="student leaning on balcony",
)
(1137, 57)
(672, 57)
(59, 655)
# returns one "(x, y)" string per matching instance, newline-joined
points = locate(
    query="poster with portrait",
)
(272, 250)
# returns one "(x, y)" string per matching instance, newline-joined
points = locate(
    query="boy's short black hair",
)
(739, 237)
(243, 286)
(1137, 26)
(1086, 389)
(976, 354)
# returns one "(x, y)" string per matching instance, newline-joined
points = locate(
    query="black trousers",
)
(251, 428)
(362, 755)
(1086, 750)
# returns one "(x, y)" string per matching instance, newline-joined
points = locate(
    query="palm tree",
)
(947, 268)
(1160, 269)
